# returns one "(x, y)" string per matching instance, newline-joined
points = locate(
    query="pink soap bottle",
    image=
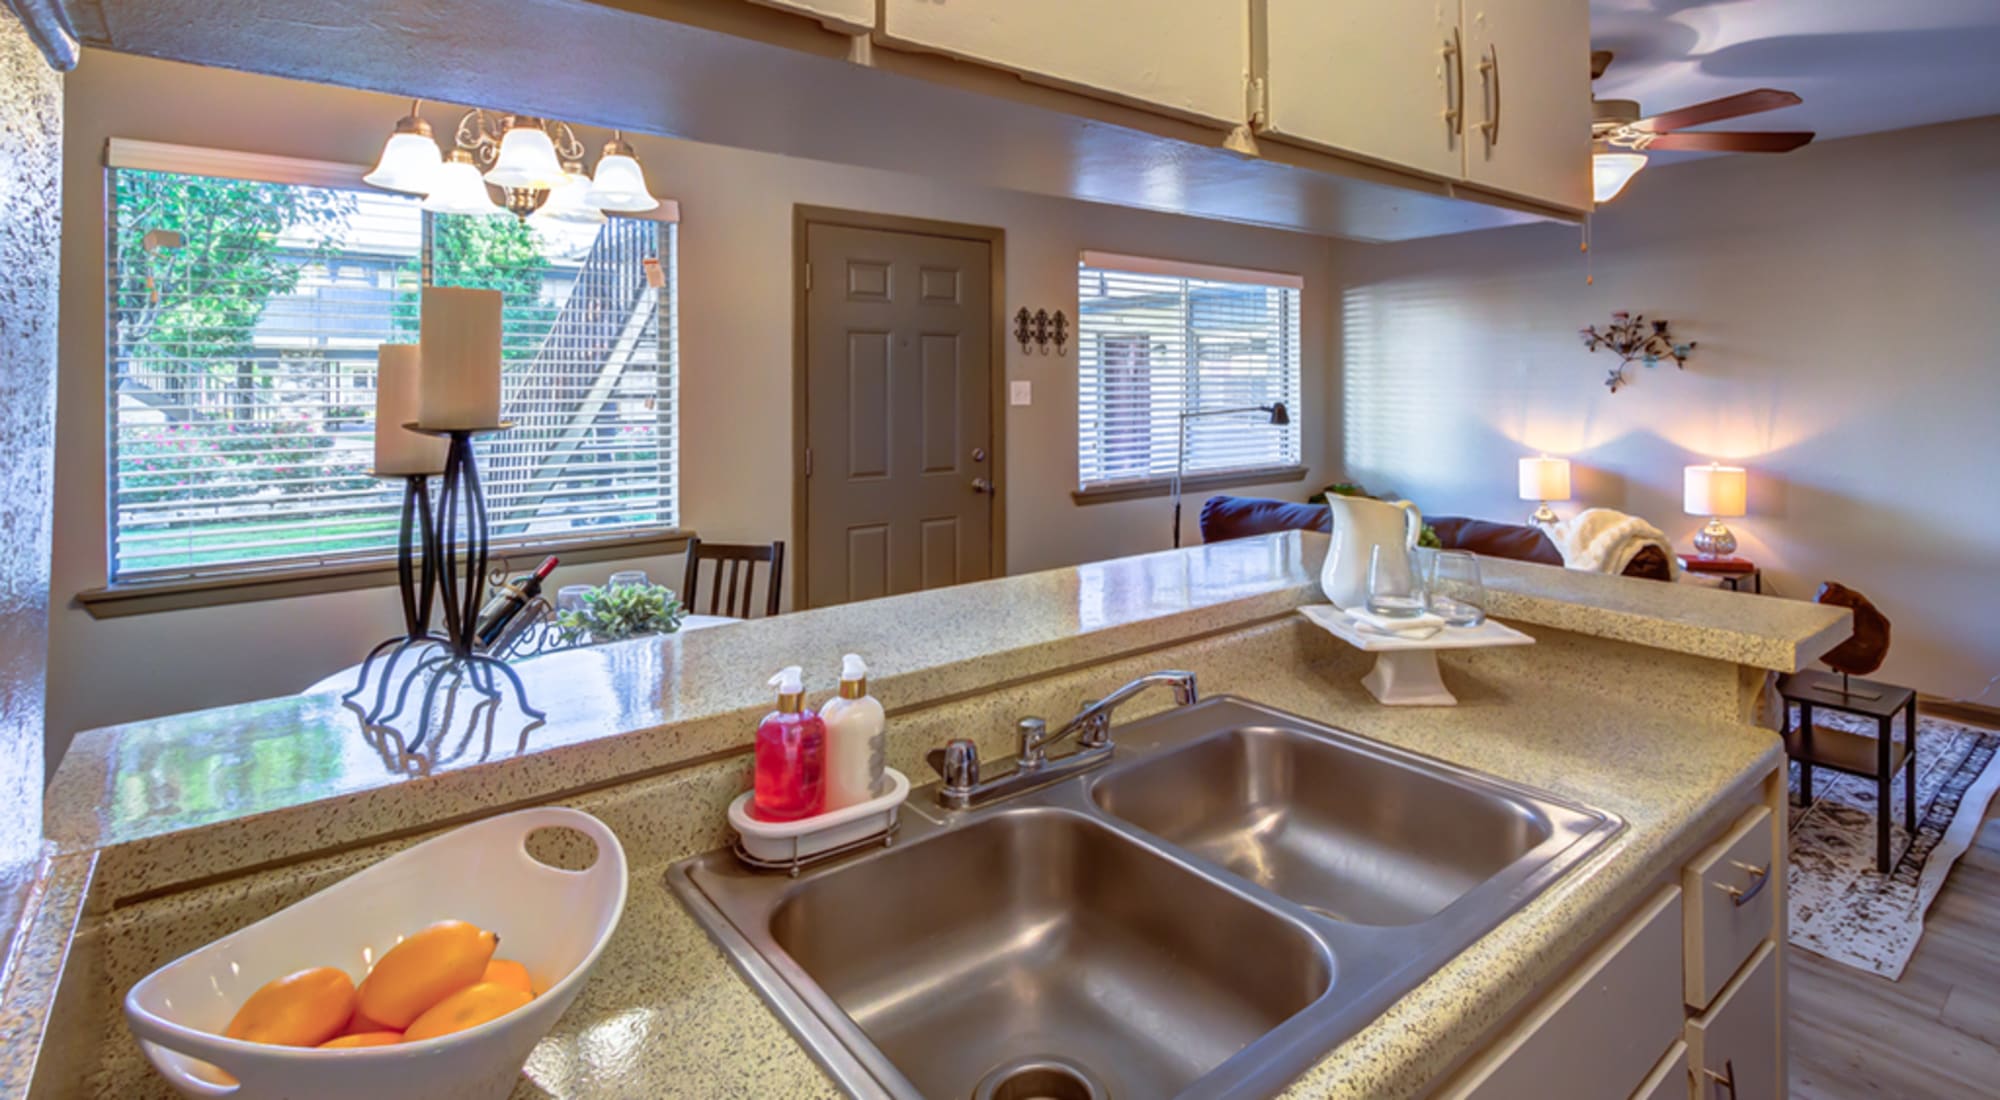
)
(791, 755)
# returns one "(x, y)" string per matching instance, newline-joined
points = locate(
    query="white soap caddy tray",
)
(791, 845)
(553, 921)
(1406, 669)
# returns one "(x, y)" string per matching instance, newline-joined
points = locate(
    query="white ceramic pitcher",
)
(1360, 524)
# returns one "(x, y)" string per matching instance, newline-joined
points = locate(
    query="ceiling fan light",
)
(457, 189)
(620, 184)
(409, 159)
(527, 159)
(567, 202)
(1610, 172)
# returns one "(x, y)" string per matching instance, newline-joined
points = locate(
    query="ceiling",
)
(1861, 66)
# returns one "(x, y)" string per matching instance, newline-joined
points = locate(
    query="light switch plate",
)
(1020, 392)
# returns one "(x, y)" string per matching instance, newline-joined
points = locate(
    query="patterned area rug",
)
(1841, 908)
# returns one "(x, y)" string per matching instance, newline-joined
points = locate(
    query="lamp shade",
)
(1544, 478)
(527, 159)
(620, 185)
(566, 202)
(1610, 172)
(409, 163)
(1714, 490)
(457, 189)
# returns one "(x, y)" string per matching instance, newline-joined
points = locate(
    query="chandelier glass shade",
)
(1610, 172)
(536, 163)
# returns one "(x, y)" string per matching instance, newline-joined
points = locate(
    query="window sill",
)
(1164, 486)
(115, 601)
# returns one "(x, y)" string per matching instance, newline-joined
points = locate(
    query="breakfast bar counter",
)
(185, 828)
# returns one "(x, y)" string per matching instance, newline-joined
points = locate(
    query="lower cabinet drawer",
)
(1601, 1031)
(1669, 1079)
(1733, 1047)
(1728, 905)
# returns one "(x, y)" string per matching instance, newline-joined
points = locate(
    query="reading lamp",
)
(1280, 417)
(1715, 491)
(1544, 479)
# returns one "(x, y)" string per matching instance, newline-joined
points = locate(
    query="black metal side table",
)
(1876, 758)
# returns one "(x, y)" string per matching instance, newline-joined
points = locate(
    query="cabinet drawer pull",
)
(1489, 77)
(1454, 86)
(1724, 1080)
(1759, 876)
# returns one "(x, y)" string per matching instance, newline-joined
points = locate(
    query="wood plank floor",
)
(1936, 1033)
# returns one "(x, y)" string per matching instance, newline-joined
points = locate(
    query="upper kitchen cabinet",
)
(1378, 79)
(1527, 99)
(1193, 64)
(849, 15)
(1479, 91)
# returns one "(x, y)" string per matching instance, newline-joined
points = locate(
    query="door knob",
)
(981, 485)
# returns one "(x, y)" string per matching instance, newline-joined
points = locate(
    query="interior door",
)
(1527, 98)
(1379, 79)
(899, 490)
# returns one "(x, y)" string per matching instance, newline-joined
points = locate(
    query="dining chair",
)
(733, 588)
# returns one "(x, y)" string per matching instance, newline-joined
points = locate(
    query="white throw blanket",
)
(1602, 540)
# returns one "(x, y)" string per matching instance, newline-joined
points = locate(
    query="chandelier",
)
(536, 163)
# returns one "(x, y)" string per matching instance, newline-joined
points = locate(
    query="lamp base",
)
(1715, 540)
(1544, 516)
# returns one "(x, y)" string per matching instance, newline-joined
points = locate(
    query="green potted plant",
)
(629, 611)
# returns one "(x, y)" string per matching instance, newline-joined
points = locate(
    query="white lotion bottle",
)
(855, 745)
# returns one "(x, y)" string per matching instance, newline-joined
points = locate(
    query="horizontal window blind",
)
(1153, 344)
(245, 316)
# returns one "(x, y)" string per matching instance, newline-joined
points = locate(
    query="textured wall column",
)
(30, 241)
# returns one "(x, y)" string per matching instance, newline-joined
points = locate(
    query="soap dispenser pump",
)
(790, 755)
(855, 748)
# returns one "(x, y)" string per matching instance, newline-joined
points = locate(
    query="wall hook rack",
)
(1040, 330)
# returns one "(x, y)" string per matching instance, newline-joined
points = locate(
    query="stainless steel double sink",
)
(1236, 892)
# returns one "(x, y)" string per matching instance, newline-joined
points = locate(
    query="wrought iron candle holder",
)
(458, 569)
(416, 533)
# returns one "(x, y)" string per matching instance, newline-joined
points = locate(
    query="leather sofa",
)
(1227, 517)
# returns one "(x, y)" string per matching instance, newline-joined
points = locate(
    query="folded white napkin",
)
(1419, 626)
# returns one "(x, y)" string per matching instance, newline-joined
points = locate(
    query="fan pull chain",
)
(1584, 247)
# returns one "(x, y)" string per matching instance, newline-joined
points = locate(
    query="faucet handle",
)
(1034, 732)
(957, 763)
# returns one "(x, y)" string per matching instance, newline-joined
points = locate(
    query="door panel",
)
(1527, 98)
(898, 413)
(1371, 78)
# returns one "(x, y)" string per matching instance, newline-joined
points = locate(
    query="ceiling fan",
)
(1620, 137)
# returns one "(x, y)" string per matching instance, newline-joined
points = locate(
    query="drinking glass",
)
(1455, 593)
(629, 578)
(1393, 588)
(570, 597)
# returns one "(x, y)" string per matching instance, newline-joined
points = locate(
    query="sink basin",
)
(1355, 835)
(1206, 915)
(1038, 933)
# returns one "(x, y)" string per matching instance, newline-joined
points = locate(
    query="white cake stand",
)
(1406, 669)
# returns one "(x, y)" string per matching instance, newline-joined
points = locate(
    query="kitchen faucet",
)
(958, 761)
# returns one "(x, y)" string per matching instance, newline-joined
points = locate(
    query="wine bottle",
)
(508, 602)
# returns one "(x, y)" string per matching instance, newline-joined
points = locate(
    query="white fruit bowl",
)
(555, 922)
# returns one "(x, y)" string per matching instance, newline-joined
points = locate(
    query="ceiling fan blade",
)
(1723, 142)
(1715, 110)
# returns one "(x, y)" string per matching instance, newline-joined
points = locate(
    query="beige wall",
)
(1846, 298)
(736, 373)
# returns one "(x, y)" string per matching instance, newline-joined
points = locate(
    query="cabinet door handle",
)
(1724, 1080)
(1759, 876)
(1454, 87)
(1489, 78)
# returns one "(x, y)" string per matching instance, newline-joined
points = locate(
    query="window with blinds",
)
(1156, 340)
(244, 319)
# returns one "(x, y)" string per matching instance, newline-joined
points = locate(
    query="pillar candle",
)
(459, 386)
(400, 452)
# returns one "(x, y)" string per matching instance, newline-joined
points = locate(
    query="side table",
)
(1878, 758)
(1732, 571)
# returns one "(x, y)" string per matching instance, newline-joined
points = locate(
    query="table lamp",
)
(1715, 491)
(1544, 479)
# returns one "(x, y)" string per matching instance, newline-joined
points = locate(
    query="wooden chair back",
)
(732, 591)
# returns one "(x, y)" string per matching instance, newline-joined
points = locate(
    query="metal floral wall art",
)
(1633, 338)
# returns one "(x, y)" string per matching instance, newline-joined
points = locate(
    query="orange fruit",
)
(507, 972)
(469, 1007)
(423, 970)
(360, 1024)
(298, 1010)
(363, 1039)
